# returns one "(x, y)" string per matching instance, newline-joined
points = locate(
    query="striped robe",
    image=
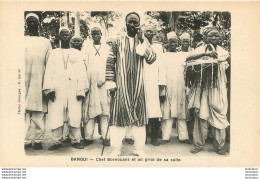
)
(128, 105)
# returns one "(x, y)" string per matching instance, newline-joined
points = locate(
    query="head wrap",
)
(208, 29)
(149, 27)
(185, 36)
(132, 14)
(32, 15)
(110, 39)
(64, 28)
(171, 35)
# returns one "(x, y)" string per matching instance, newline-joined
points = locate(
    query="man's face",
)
(213, 37)
(96, 36)
(185, 43)
(149, 34)
(132, 24)
(76, 43)
(32, 24)
(110, 42)
(83, 31)
(173, 43)
(65, 36)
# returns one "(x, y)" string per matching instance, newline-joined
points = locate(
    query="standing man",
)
(65, 86)
(154, 82)
(128, 107)
(37, 51)
(210, 102)
(181, 91)
(96, 105)
(174, 106)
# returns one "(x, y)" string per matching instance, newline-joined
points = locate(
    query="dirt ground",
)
(174, 148)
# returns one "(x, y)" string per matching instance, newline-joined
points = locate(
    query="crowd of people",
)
(133, 87)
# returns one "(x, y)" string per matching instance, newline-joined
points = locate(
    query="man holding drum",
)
(210, 101)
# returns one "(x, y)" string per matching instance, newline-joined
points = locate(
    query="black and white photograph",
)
(108, 83)
(129, 84)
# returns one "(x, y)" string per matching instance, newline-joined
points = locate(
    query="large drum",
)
(203, 71)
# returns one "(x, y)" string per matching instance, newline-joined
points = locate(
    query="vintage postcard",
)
(129, 84)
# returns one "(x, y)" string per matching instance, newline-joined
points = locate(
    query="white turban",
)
(185, 36)
(32, 15)
(149, 27)
(171, 35)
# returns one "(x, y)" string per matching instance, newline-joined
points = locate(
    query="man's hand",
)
(80, 98)
(51, 96)
(162, 93)
(213, 54)
(140, 35)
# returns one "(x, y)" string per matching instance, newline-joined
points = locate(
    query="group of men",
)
(130, 85)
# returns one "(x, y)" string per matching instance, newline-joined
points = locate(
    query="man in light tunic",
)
(97, 104)
(128, 107)
(65, 85)
(181, 90)
(174, 106)
(154, 80)
(210, 102)
(37, 51)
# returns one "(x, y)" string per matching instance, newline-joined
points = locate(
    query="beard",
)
(131, 30)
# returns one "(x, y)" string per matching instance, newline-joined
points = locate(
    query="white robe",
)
(68, 83)
(175, 104)
(154, 75)
(96, 102)
(213, 104)
(37, 51)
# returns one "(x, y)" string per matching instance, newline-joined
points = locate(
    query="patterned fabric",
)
(128, 105)
(212, 103)
(110, 68)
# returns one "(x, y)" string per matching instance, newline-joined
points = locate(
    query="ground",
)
(174, 148)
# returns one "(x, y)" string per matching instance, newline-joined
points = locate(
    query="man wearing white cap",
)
(65, 85)
(37, 51)
(185, 51)
(154, 82)
(96, 105)
(174, 106)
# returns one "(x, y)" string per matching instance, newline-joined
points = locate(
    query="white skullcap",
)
(185, 36)
(32, 15)
(149, 27)
(171, 35)
(64, 28)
